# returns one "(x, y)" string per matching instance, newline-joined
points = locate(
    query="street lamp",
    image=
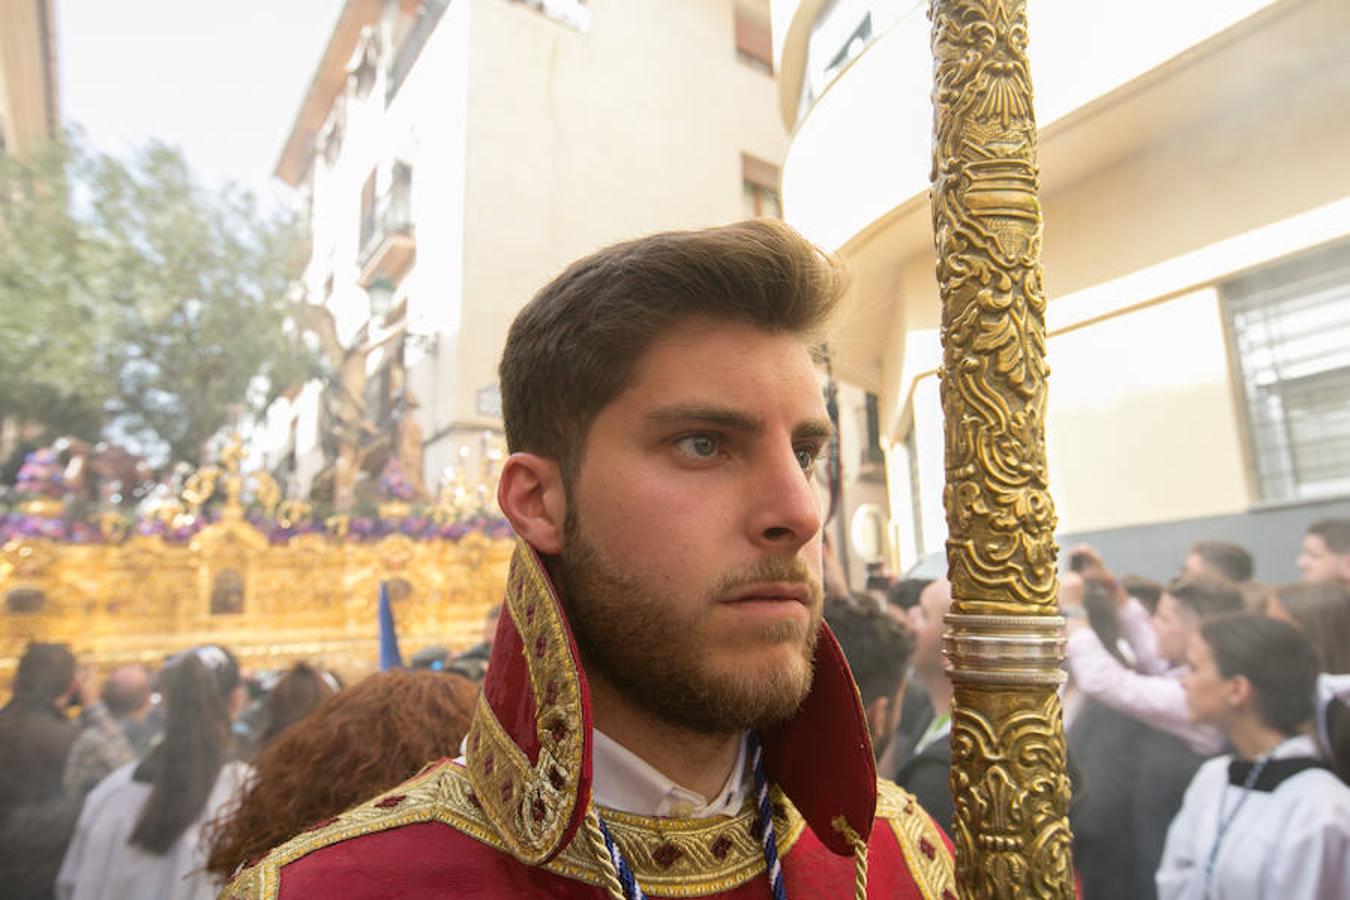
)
(381, 294)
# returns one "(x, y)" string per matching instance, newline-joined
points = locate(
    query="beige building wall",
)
(1218, 161)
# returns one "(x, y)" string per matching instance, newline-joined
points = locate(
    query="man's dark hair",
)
(1099, 602)
(1206, 596)
(1229, 560)
(46, 671)
(1275, 657)
(905, 592)
(1335, 533)
(298, 693)
(1145, 590)
(876, 646)
(574, 346)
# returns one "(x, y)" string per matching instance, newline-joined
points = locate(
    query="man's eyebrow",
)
(733, 420)
(814, 428)
(721, 416)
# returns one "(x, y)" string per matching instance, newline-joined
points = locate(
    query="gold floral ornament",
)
(1004, 639)
(535, 805)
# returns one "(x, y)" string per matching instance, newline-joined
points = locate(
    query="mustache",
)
(774, 568)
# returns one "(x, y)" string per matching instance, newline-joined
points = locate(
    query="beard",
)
(657, 655)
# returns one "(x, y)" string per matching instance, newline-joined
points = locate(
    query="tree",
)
(131, 292)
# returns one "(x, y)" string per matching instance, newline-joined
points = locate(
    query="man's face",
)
(1319, 563)
(884, 725)
(691, 559)
(1175, 625)
(1206, 688)
(1195, 565)
(933, 604)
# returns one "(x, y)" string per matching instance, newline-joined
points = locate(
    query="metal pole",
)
(1004, 636)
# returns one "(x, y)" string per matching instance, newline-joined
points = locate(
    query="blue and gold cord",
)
(769, 842)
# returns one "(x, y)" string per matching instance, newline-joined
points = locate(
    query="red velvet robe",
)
(516, 820)
(426, 839)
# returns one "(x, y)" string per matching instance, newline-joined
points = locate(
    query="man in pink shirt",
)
(1151, 691)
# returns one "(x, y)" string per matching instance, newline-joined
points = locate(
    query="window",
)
(840, 33)
(361, 71)
(411, 41)
(331, 142)
(853, 45)
(754, 44)
(367, 212)
(572, 13)
(915, 487)
(1289, 327)
(872, 454)
(759, 188)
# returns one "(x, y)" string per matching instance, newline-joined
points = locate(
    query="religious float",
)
(229, 559)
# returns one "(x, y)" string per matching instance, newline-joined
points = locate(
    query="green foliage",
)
(136, 301)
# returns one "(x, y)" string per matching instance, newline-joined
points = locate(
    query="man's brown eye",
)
(806, 457)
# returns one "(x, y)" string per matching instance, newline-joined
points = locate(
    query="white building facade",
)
(454, 155)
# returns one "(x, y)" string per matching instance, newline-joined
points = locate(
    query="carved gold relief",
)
(987, 226)
(312, 597)
(1004, 639)
(273, 600)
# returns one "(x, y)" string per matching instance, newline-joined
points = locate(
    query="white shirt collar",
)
(1293, 747)
(622, 780)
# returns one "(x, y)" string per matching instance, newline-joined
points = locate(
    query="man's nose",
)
(786, 511)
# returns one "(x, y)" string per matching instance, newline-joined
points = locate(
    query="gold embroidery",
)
(693, 857)
(531, 805)
(925, 853)
(670, 857)
(417, 800)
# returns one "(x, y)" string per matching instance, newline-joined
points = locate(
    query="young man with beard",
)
(663, 713)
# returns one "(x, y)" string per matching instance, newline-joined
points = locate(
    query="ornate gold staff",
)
(1005, 637)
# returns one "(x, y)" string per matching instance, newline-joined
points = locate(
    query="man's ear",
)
(1239, 691)
(532, 498)
(878, 717)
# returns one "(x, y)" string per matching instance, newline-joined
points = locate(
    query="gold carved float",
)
(310, 596)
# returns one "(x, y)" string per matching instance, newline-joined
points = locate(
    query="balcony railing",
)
(388, 246)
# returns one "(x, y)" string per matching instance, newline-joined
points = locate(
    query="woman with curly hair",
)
(359, 742)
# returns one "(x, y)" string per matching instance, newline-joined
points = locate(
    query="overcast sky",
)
(221, 80)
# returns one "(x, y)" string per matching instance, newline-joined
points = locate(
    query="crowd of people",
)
(165, 784)
(1207, 719)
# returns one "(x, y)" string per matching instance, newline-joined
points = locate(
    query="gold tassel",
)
(841, 825)
(611, 873)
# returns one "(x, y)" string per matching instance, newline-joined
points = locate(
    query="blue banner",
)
(390, 658)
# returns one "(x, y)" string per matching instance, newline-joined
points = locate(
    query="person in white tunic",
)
(139, 833)
(1270, 821)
